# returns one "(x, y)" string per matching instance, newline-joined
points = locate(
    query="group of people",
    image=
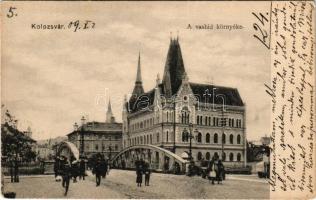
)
(216, 170)
(68, 170)
(142, 168)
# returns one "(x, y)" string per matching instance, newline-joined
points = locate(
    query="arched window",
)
(199, 156)
(116, 147)
(238, 157)
(185, 136)
(96, 147)
(215, 138)
(224, 156)
(201, 120)
(199, 137)
(207, 156)
(216, 155)
(167, 136)
(151, 139)
(238, 139)
(147, 139)
(231, 157)
(231, 139)
(233, 123)
(182, 118)
(141, 140)
(209, 121)
(206, 120)
(224, 138)
(207, 138)
(157, 137)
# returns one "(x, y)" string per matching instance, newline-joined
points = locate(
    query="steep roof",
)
(174, 69)
(100, 127)
(231, 95)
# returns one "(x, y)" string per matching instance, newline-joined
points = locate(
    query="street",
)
(121, 184)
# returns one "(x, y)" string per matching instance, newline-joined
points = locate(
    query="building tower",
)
(109, 115)
(138, 88)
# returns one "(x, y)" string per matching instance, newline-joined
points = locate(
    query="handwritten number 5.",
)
(11, 12)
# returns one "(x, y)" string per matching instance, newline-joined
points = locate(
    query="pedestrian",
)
(82, 169)
(66, 174)
(104, 166)
(16, 171)
(11, 166)
(147, 172)
(221, 171)
(97, 170)
(74, 170)
(56, 166)
(211, 171)
(139, 172)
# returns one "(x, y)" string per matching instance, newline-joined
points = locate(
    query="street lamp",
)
(190, 138)
(83, 120)
(110, 148)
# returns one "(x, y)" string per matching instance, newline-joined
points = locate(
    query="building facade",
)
(214, 116)
(99, 137)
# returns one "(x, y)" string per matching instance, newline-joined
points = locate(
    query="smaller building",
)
(99, 137)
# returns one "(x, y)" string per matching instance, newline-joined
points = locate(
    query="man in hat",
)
(66, 174)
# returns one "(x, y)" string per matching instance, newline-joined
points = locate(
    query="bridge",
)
(158, 158)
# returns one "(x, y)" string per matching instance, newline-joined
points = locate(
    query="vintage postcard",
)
(158, 100)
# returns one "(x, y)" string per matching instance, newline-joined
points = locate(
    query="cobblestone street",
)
(121, 184)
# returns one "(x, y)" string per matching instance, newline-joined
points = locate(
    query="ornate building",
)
(177, 110)
(99, 137)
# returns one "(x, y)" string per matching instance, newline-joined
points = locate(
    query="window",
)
(185, 135)
(216, 155)
(206, 120)
(231, 139)
(151, 139)
(201, 120)
(167, 136)
(197, 119)
(207, 138)
(157, 137)
(199, 137)
(207, 156)
(214, 121)
(238, 139)
(224, 138)
(209, 121)
(96, 147)
(231, 157)
(215, 138)
(167, 116)
(238, 157)
(224, 156)
(147, 139)
(199, 156)
(116, 147)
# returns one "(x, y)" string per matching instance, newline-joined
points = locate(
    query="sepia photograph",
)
(143, 100)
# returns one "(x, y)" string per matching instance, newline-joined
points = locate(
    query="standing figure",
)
(147, 172)
(74, 170)
(139, 177)
(211, 171)
(97, 170)
(221, 172)
(11, 166)
(66, 174)
(56, 166)
(82, 169)
(104, 166)
(16, 170)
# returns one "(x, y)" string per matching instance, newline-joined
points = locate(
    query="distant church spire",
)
(138, 88)
(109, 115)
(174, 69)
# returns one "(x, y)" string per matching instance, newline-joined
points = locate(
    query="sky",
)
(50, 78)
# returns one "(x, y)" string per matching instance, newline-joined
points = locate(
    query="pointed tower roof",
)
(138, 88)
(174, 69)
(109, 115)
